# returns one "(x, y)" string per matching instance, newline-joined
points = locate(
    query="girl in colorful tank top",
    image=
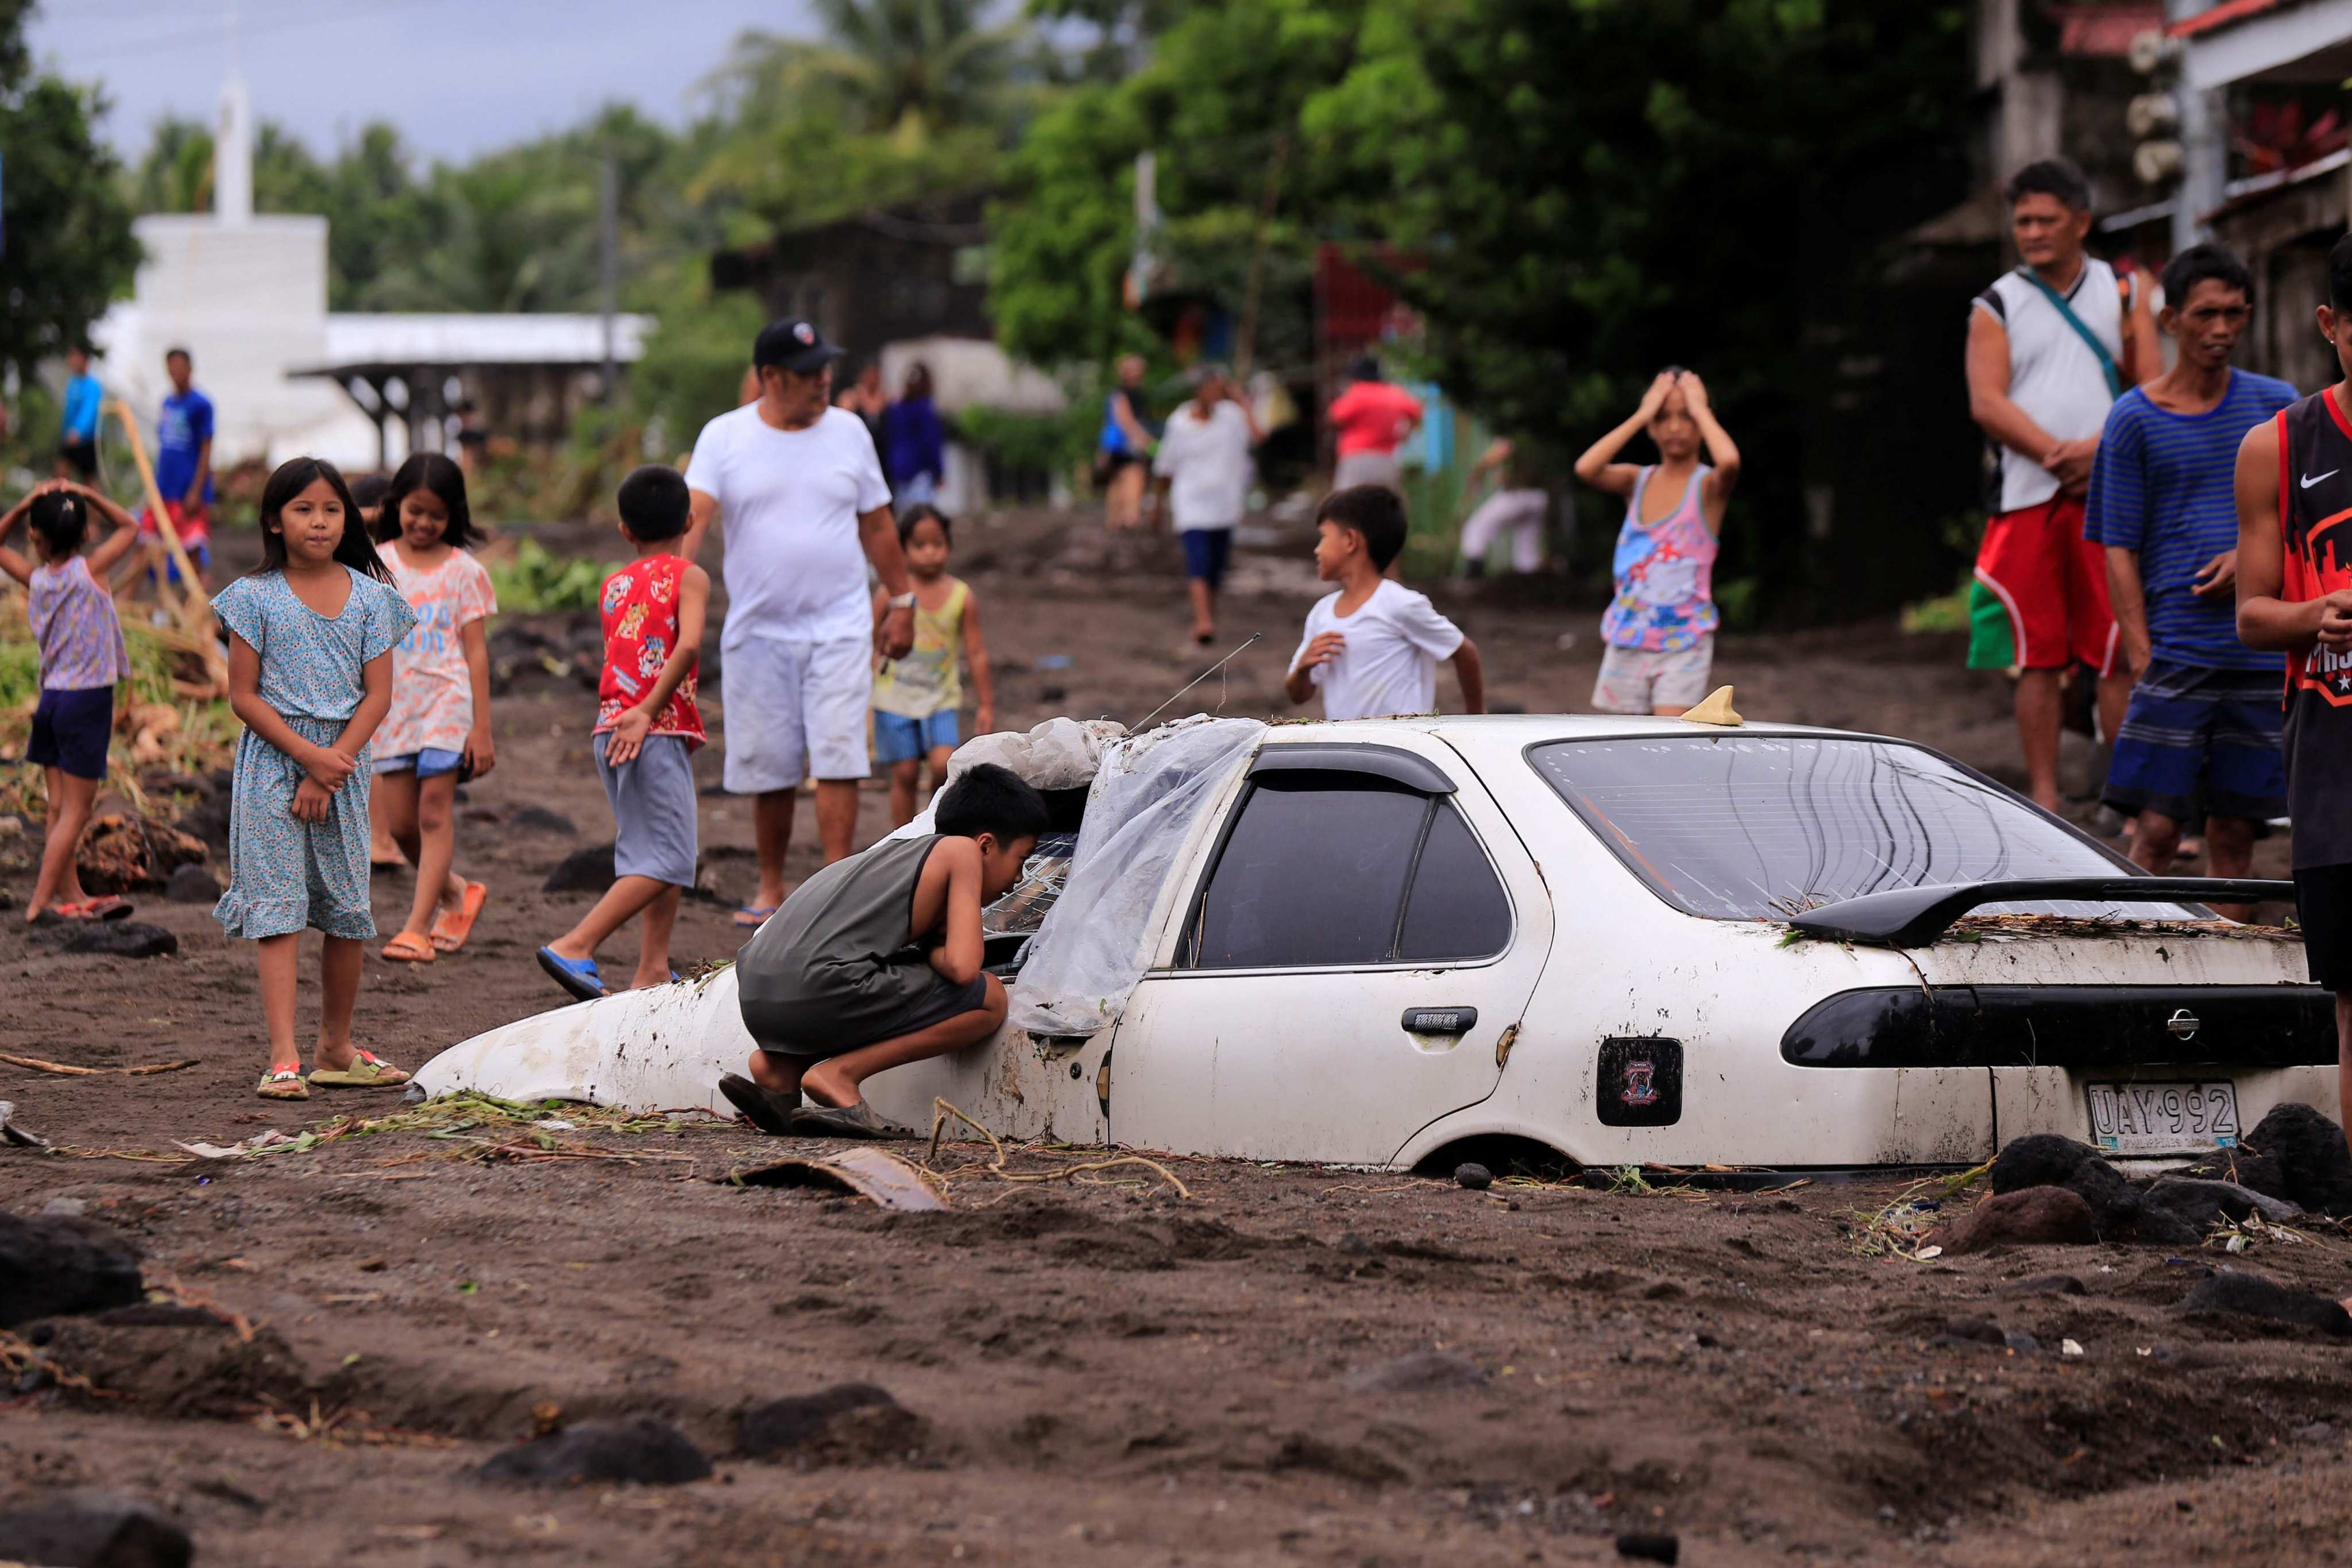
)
(916, 697)
(1660, 626)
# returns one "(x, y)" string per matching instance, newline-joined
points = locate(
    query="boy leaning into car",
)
(2294, 595)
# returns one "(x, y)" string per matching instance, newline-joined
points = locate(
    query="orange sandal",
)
(451, 928)
(406, 949)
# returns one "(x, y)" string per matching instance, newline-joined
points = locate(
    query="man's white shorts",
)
(794, 709)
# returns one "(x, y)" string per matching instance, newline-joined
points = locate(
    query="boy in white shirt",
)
(1373, 647)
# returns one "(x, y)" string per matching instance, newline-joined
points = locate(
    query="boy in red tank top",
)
(647, 728)
(2294, 594)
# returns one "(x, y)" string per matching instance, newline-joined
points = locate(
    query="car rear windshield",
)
(1764, 827)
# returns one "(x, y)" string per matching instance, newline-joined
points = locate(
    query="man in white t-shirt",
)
(1204, 467)
(798, 491)
(1373, 647)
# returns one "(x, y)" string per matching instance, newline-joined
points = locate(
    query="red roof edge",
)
(2222, 15)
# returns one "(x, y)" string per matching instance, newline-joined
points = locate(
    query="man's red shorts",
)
(2054, 583)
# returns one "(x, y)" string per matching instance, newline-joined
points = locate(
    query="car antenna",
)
(1196, 680)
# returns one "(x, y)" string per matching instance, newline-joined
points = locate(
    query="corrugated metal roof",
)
(2224, 14)
(458, 339)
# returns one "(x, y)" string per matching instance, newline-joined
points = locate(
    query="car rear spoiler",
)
(1914, 916)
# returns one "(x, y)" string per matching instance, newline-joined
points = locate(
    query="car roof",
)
(1528, 729)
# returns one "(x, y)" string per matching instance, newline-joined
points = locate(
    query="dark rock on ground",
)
(208, 820)
(1648, 1547)
(539, 819)
(2251, 1296)
(116, 939)
(61, 1264)
(1473, 1175)
(2045, 1285)
(2316, 1167)
(2206, 1204)
(2257, 1172)
(638, 1450)
(849, 1419)
(1424, 1371)
(1972, 1331)
(584, 870)
(94, 1530)
(192, 885)
(2030, 1217)
(2045, 1159)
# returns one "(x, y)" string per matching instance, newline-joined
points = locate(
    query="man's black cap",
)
(795, 346)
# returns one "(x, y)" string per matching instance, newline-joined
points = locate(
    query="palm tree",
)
(911, 68)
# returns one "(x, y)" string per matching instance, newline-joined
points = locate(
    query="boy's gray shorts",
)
(653, 810)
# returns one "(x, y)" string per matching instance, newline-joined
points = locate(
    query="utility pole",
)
(608, 236)
(2204, 137)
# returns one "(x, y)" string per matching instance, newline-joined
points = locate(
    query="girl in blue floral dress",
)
(312, 632)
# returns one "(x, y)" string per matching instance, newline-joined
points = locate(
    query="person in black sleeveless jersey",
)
(2294, 594)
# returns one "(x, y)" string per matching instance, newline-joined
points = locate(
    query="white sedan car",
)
(1622, 941)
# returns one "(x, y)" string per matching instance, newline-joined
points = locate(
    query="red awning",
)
(2227, 13)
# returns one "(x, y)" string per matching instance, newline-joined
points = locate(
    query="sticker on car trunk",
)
(2164, 1118)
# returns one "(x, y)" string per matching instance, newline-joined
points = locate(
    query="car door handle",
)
(1439, 1020)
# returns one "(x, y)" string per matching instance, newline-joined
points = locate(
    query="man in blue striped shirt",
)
(2201, 736)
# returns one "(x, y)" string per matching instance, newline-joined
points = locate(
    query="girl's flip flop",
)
(406, 949)
(452, 927)
(105, 907)
(577, 975)
(367, 1070)
(750, 917)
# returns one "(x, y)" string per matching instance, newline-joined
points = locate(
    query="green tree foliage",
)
(70, 249)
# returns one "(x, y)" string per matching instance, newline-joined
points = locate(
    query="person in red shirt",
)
(647, 728)
(1372, 419)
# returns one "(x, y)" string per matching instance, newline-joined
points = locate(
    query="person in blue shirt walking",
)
(183, 465)
(77, 437)
(2201, 737)
(914, 443)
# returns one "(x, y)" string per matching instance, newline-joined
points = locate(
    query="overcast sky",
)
(457, 76)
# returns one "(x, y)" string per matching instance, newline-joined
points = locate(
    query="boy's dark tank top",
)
(2315, 516)
(836, 961)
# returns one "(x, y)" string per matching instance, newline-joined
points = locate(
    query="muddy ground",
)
(1099, 1368)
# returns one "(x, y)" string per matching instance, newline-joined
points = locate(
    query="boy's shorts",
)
(2322, 908)
(82, 457)
(795, 709)
(2054, 584)
(653, 810)
(1207, 552)
(70, 731)
(898, 738)
(1636, 681)
(429, 763)
(2198, 741)
(943, 1001)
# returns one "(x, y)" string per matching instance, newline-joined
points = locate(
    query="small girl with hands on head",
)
(312, 632)
(438, 731)
(82, 657)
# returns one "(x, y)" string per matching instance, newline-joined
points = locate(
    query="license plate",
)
(2164, 1118)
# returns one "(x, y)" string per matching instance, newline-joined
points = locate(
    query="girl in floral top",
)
(82, 657)
(438, 734)
(312, 632)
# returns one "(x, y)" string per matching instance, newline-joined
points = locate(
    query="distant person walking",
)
(2052, 345)
(78, 432)
(1514, 508)
(2201, 737)
(914, 442)
(797, 487)
(1123, 450)
(863, 397)
(1660, 627)
(1204, 463)
(183, 467)
(1372, 419)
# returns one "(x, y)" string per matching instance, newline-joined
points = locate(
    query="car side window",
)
(1316, 868)
(1459, 908)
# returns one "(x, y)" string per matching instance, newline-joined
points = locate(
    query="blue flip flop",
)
(750, 917)
(578, 976)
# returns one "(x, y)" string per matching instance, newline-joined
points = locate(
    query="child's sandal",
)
(367, 1070)
(283, 1083)
(406, 949)
(452, 927)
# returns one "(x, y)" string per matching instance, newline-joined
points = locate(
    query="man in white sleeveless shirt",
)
(2051, 346)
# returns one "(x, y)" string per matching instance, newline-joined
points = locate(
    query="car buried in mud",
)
(1621, 940)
